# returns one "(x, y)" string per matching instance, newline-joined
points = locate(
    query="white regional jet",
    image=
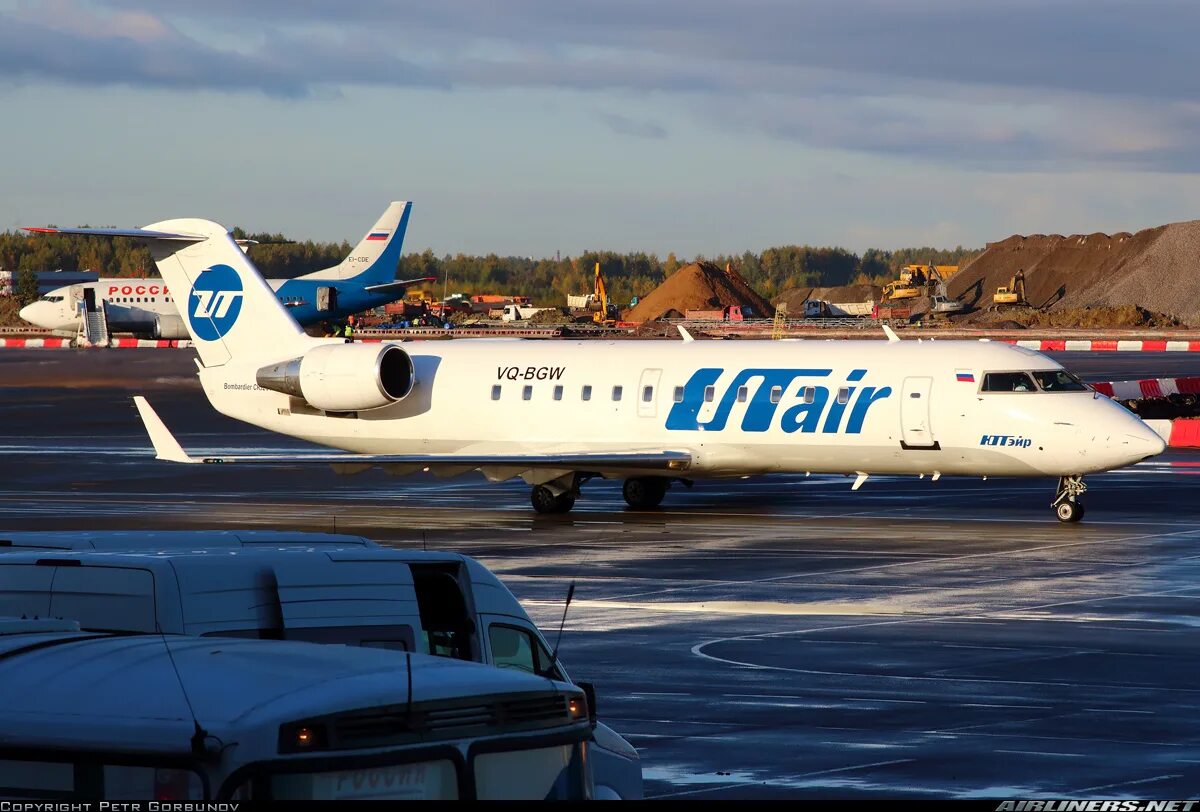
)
(557, 413)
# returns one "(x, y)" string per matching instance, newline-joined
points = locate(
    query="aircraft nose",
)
(29, 313)
(1147, 443)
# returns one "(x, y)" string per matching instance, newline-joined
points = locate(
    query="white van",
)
(89, 716)
(295, 587)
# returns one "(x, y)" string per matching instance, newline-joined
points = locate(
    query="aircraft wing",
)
(166, 447)
(398, 285)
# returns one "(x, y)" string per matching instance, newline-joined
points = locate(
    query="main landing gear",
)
(546, 500)
(645, 492)
(558, 496)
(1066, 502)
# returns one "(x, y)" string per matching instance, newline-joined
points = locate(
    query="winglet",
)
(891, 334)
(685, 334)
(166, 447)
(859, 480)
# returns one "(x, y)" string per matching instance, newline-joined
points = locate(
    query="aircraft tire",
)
(544, 501)
(1068, 511)
(644, 492)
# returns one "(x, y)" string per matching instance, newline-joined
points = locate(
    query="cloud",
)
(1013, 83)
(623, 125)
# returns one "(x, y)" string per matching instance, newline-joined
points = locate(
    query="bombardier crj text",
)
(366, 278)
(557, 413)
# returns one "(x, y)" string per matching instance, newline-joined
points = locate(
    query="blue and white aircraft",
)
(557, 413)
(363, 280)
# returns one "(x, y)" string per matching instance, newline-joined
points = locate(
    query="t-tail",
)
(230, 311)
(374, 260)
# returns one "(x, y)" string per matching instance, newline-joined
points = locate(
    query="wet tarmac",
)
(771, 637)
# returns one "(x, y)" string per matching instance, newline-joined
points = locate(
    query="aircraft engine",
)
(170, 326)
(343, 377)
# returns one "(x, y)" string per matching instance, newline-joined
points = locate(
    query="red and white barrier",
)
(1148, 388)
(66, 343)
(1181, 433)
(1104, 345)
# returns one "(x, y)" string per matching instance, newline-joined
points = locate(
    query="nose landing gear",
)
(1066, 504)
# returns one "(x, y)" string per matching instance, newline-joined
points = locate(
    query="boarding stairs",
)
(94, 324)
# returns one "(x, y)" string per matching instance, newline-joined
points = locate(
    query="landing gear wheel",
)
(645, 492)
(1069, 511)
(544, 500)
(1066, 504)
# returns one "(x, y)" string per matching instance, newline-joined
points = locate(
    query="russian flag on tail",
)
(965, 377)
(378, 235)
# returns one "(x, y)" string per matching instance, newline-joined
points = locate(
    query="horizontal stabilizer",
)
(138, 233)
(166, 447)
(399, 284)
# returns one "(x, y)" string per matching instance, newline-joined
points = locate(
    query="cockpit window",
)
(1059, 380)
(1008, 382)
(52, 298)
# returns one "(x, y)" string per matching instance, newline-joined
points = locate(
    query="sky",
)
(526, 127)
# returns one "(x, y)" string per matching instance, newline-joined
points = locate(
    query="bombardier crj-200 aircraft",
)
(364, 279)
(557, 413)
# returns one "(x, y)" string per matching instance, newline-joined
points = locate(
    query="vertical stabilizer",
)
(230, 311)
(375, 259)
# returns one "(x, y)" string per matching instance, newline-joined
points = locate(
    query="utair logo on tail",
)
(851, 401)
(215, 302)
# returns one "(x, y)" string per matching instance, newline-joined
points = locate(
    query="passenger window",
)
(810, 394)
(678, 396)
(843, 396)
(527, 393)
(496, 392)
(776, 394)
(617, 392)
(512, 648)
(1007, 382)
(710, 394)
(586, 393)
(518, 648)
(558, 390)
(647, 394)
(743, 393)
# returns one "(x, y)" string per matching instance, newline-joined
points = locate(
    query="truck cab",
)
(343, 590)
(93, 715)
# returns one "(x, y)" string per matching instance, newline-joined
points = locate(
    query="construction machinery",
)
(603, 310)
(1012, 295)
(916, 280)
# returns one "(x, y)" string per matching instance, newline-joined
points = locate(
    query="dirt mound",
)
(1154, 269)
(699, 286)
(1121, 316)
(794, 298)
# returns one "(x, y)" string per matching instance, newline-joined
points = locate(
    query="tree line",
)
(547, 281)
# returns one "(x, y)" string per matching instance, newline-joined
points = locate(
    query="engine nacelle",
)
(343, 377)
(170, 326)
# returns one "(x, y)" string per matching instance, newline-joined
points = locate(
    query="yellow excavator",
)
(1012, 295)
(916, 279)
(601, 316)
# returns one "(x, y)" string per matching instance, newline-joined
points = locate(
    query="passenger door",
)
(647, 393)
(915, 429)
